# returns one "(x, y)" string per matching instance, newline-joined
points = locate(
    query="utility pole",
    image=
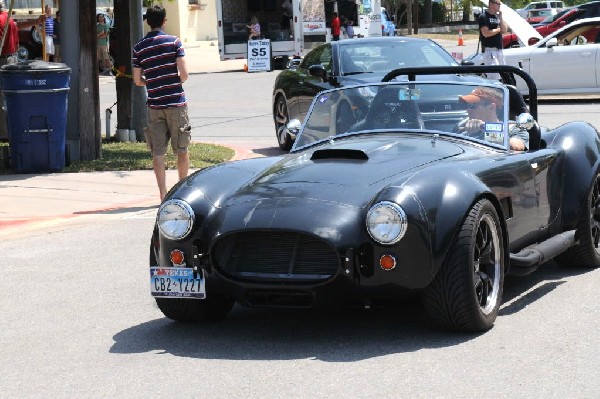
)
(88, 98)
(138, 105)
(124, 81)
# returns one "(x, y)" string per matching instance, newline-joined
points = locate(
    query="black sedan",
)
(401, 203)
(343, 63)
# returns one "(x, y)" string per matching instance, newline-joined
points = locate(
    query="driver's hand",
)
(473, 126)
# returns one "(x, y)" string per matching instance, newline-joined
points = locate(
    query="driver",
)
(483, 105)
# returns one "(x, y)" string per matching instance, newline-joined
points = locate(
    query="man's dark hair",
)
(155, 16)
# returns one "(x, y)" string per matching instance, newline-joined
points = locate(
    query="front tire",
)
(215, 307)
(281, 117)
(467, 291)
(587, 253)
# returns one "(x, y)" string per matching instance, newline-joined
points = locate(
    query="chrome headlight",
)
(175, 219)
(386, 222)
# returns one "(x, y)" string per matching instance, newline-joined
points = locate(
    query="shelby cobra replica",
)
(401, 201)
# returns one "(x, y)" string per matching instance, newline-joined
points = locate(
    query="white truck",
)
(284, 31)
(388, 28)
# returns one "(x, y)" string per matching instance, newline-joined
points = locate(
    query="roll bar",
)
(507, 73)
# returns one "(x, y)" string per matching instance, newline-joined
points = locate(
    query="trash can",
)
(35, 94)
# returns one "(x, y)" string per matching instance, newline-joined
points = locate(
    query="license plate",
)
(177, 282)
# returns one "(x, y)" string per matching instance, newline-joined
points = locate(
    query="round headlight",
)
(175, 219)
(386, 222)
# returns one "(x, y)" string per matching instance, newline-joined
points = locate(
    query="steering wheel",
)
(461, 129)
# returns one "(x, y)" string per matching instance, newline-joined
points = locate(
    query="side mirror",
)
(318, 71)
(293, 128)
(525, 121)
(552, 42)
(290, 130)
(293, 63)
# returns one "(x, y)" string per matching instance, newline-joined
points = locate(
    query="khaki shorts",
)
(168, 124)
(102, 53)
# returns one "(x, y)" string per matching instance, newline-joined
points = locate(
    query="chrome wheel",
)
(486, 264)
(466, 293)
(281, 118)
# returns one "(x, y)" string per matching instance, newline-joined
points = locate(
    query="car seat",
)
(388, 112)
(516, 106)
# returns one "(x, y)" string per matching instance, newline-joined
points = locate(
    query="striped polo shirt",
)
(49, 26)
(156, 54)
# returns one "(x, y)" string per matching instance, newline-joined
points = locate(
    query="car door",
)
(307, 86)
(571, 64)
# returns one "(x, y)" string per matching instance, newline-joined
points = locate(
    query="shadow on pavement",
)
(333, 335)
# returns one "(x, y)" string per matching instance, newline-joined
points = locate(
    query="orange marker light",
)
(387, 262)
(177, 257)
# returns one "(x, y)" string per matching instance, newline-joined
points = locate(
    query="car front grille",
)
(259, 255)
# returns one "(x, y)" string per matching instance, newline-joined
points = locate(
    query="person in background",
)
(491, 29)
(8, 55)
(254, 28)
(350, 29)
(287, 14)
(159, 64)
(335, 26)
(57, 57)
(102, 32)
(49, 26)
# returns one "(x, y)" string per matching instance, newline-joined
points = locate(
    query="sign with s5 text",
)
(259, 55)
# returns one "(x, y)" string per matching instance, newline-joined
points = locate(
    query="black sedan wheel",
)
(213, 308)
(467, 291)
(281, 117)
(587, 253)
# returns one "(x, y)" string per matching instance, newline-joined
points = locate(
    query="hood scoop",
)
(339, 153)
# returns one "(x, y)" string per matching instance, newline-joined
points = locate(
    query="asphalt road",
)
(78, 322)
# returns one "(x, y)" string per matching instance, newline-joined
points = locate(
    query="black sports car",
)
(342, 63)
(401, 202)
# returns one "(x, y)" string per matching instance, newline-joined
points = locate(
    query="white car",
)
(565, 62)
(536, 5)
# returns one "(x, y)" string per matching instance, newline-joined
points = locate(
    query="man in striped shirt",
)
(49, 27)
(158, 63)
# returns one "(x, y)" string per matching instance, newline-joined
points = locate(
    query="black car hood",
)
(348, 171)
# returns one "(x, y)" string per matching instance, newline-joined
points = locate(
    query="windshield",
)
(466, 110)
(553, 18)
(358, 56)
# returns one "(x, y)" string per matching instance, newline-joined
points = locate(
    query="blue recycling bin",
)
(35, 94)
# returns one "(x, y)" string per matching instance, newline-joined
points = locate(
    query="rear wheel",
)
(587, 253)
(467, 291)
(213, 308)
(281, 117)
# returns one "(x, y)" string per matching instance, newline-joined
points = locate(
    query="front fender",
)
(437, 200)
(580, 143)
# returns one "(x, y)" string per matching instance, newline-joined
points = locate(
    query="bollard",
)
(107, 121)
